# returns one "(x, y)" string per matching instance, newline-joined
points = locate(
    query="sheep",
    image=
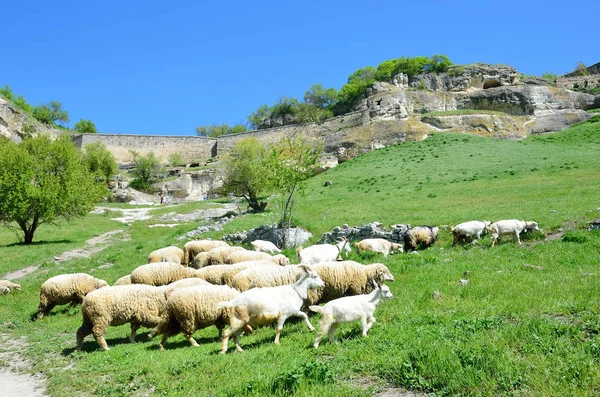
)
(137, 304)
(244, 256)
(200, 260)
(420, 237)
(217, 256)
(224, 274)
(260, 306)
(6, 286)
(160, 273)
(472, 230)
(378, 245)
(66, 288)
(184, 283)
(511, 226)
(125, 280)
(323, 252)
(195, 308)
(194, 247)
(349, 309)
(265, 246)
(341, 278)
(167, 254)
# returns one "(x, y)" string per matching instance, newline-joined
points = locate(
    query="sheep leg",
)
(44, 310)
(236, 338)
(369, 325)
(190, 339)
(98, 332)
(134, 328)
(235, 331)
(280, 323)
(517, 237)
(82, 332)
(163, 341)
(305, 317)
(330, 332)
(364, 324)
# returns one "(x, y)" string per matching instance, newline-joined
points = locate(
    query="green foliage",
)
(320, 97)
(307, 113)
(7, 93)
(262, 112)
(285, 108)
(22, 104)
(147, 171)
(85, 127)
(580, 70)
(42, 180)
(175, 159)
(310, 372)
(215, 130)
(246, 173)
(51, 113)
(99, 161)
(550, 77)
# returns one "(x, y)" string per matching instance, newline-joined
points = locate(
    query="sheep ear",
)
(304, 268)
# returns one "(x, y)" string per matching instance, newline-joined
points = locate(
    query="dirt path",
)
(14, 382)
(95, 245)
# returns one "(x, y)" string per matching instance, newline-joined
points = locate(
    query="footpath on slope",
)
(13, 381)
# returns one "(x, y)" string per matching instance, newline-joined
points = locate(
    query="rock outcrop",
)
(15, 125)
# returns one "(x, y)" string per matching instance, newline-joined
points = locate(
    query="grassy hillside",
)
(526, 324)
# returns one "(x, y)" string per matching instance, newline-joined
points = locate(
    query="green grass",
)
(463, 112)
(597, 110)
(513, 330)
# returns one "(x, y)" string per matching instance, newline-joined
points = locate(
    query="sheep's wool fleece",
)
(160, 273)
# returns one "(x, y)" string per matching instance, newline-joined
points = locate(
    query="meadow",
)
(525, 324)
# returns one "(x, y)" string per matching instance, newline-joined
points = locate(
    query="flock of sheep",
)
(211, 283)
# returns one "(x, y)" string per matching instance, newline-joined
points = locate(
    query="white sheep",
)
(420, 237)
(323, 252)
(184, 283)
(217, 256)
(510, 226)
(349, 309)
(138, 304)
(166, 254)
(160, 273)
(6, 286)
(378, 245)
(265, 276)
(194, 247)
(66, 288)
(224, 274)
(469, 230)
(125, 280)
(195, 308)
(200, 260)
(244, 256)
(264, 246)
(260, 306)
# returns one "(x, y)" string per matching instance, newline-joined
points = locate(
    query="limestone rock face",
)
(496, 126)
(194, 185)
(15, 125)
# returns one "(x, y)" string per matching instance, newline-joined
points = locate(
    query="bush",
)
(7, 93)
(85, 127)
(21, 103)
(99, 161)
(146, 172)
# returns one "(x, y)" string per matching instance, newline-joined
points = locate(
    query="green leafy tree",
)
(263, 112)
(22, 104)
(319, 96)
(147, 170)
(438, 64)
(51, 113)
(307, 113)
(85, 127)
(285, 108)
(43, 114)
(246, 173)
(386, 70)
(7, 93)
(42, 180)
(216, 130)
(580, 70)
(363, 75)
(289, 163)
(175, 159)
(99, 161)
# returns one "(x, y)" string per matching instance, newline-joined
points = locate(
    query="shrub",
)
(146, 172)
(7, 93)
(85, 127)
(22, 104)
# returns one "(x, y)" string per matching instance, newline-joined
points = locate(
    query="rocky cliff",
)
(15, 125)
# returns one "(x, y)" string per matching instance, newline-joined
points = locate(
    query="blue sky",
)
(147, 67)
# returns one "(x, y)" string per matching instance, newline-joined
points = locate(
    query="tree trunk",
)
(255, 204)
(28, 231)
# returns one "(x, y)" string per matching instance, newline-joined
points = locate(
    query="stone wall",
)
(593, 80)
(371, 230)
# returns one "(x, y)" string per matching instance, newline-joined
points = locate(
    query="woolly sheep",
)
(184, 283)
(160, 273)
(468, 230)
(200, 260)
(244, 256)
(511, 226)
(264, 246)
(224, 274)
(138, 304)
(378, 245)
(420, 237)
(194, 247)
(217, 256)
(66, 288)
(261, 276)
(6, 286)
(323, 252)
(349, 309)
(260, 306)
(125, 280)
(195, 308)
(167, 254)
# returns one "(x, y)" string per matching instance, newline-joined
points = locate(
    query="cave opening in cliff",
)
(491, 83)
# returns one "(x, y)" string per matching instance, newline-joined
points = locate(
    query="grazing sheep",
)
(195, 308)
(263, 276)
(264, 246)
(260, 306)
(420, 237)
(160, 273)
(349, 309)
(244, 256)
(511, 226)
(7, 286)
(469, 230)
(378, 245)
(217, 256)
(66, 288)
(200, 260)
(138, 304)
(125, 280)
(323, 252)
(224, 274)
(194, 247)
(184, 283)
(167, 254)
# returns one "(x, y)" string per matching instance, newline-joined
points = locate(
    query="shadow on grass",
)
(182, 343)
(36, 243)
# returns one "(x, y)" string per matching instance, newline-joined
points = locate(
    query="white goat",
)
(378, 245)
(470, 230)
(511, 226)
(264, 246)
(323, 252)
(259, 306)
(349, 309)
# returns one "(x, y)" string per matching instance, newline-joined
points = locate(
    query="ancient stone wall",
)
(590, 81)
